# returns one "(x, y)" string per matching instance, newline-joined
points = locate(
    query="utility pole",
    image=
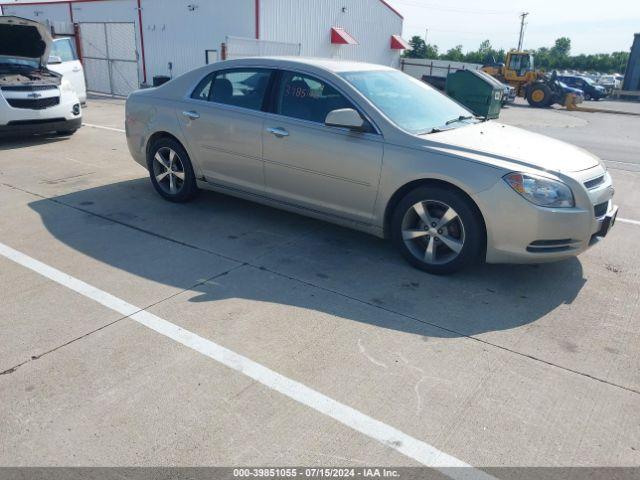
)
(523, 15)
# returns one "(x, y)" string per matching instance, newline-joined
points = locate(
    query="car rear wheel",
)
(171, 171)
(437, 230)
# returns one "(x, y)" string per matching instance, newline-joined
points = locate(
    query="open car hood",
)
(24, 39)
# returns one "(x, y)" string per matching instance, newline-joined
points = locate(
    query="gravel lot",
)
(498, 366)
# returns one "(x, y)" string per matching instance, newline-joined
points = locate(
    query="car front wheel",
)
(438, 230)
(171, 171)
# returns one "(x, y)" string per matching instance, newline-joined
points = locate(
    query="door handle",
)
(76, 70)
(278, 132)
(190, 114)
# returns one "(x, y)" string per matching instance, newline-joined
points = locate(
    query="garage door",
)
(110, 57)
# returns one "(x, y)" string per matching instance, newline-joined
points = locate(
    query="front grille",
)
(600, 210)
(34, 104)
(594, 182)
(27, 88)
(35, 122)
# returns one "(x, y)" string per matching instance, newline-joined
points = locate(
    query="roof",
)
(330, 64)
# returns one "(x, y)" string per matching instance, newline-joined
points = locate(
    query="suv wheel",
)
(437, 230)
(171, 171)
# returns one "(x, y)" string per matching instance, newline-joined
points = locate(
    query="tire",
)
(171, 171)
(413, 234)
(587, 97)
(539, 95)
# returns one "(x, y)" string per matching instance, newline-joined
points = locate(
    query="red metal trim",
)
(392, 9)
(399, 43)
(11, 4)
(258, 19)
(76, 36)
(339, 36)
(144, 63)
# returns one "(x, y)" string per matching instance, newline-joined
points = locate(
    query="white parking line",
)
(626, 220)
(91, 125)
(387, 435)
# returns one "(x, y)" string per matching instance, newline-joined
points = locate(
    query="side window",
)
(304, 97)
(63, 48)
(244, 88)
(203, 89)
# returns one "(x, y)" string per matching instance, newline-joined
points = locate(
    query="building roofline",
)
(8, 4)
(385, 3)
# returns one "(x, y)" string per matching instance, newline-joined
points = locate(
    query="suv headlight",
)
(541, 191)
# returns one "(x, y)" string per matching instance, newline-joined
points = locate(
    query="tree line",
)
(557, 57)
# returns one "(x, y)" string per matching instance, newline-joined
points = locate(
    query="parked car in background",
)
(371, 148)
(66, 63)
(609, 82)
(575, 91)
(591, 90)
(509, 95)
(33, 99)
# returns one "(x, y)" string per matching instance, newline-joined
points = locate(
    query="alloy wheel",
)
(433, 232)
(168, 170)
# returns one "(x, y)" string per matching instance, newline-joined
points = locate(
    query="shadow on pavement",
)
(23, 141)
(364, 268)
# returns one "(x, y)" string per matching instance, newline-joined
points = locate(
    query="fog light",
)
(76, 109)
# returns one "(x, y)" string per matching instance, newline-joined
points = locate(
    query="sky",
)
(594, 26)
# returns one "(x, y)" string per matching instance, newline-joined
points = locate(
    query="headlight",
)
(541, 191)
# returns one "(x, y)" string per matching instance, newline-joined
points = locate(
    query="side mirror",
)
(346, 118)
(53, 60)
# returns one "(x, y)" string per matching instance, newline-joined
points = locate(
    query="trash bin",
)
(476, 90)
(160, 79)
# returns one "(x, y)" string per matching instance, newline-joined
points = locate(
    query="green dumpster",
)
(476, 90)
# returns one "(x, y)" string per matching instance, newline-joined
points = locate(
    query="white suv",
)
(33, 99)
(64, 60)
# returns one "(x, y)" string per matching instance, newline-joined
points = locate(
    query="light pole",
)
(523, 15)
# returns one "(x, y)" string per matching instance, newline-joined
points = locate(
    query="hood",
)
(24, 39)
(504, 146)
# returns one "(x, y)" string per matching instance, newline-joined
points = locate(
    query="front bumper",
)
(521, 232)
(66, 115)
(31, 127)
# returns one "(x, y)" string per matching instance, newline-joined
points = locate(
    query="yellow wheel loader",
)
(518, 70)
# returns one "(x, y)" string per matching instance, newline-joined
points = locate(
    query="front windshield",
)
(588, 80)
(410, 104)
(19, 62)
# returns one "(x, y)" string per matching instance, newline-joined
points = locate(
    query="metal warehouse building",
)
(125, 43)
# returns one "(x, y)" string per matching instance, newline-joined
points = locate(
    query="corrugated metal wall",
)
(309, 23)
(632, 73)
(174, 33)
(58, 12)
(180, 31)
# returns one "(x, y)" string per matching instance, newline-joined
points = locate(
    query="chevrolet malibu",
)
(368, 147)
